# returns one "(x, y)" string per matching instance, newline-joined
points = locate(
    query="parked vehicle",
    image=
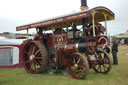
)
(67, 45)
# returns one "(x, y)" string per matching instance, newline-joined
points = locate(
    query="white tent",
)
(10, 52)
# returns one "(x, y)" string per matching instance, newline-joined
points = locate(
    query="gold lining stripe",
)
(77, 47)
(65, 46)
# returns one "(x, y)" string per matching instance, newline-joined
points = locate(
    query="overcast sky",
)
(15, 13)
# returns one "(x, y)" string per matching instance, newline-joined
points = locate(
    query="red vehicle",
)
(68, 46)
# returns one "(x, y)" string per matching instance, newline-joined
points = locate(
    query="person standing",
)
(114, 52)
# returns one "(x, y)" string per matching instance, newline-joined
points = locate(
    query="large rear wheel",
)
(35, 57)
(78, 66)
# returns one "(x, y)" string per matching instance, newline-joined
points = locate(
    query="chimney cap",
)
(83, 7)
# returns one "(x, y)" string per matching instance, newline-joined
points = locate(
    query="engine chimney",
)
(84, 5)
(84, 20)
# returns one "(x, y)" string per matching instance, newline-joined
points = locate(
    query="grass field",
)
(117, 76)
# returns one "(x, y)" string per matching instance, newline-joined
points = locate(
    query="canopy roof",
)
(67, 20)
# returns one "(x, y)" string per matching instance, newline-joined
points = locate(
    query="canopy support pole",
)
(27, 33)
(106, 25)
(93, 23)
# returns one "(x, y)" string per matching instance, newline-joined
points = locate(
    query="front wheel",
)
(104, 62)
(78, 66)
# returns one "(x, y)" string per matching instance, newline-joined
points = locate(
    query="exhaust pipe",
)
(84, 20)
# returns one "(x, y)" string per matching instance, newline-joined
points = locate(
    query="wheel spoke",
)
(33, 50)
(39, 62)
(100, 68)
(28, 44)
(35, 66)
(38, 65)
(74, 61)
(105, 66)
(30, 50)
(28, 61)
(83, 69)
(38, 58)
(81, 65)
(26, 53)
(81, 72)
(32, 67)
(78, 61)
(37, 52)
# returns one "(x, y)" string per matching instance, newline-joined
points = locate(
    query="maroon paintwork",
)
(67, 47)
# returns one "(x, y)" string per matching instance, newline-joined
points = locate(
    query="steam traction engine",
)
(61, 42)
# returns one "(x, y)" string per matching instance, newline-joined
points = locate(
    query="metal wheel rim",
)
(77, 66)
(104, 63)
(32, 57)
